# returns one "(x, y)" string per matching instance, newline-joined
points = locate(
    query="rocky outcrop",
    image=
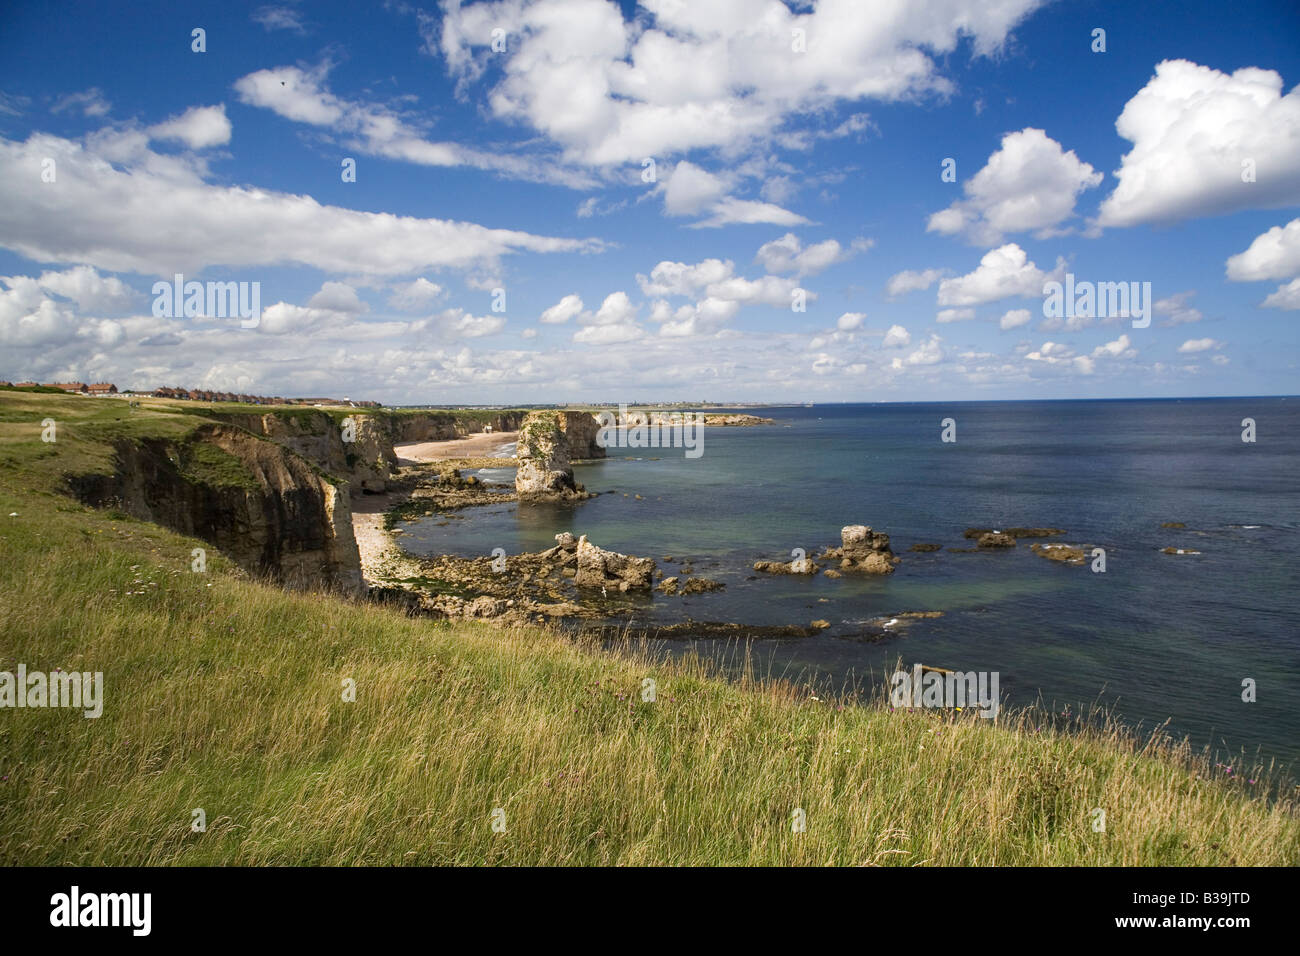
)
(1014, 532)
(864, 551)
(1064, 553)
(265, 507)
(598, 568)
(995, 539)
(581, 431)
(545, 469)
(797, 566)
(358, 448)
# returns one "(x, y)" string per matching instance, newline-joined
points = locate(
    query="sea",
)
(1155, 639)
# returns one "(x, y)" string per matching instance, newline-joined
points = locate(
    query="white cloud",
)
(716, 278)
(157, 216)
(1191, 128)
(338, 297)
(278, 18)
(850, 321)
(682, 77)
(1014, 318)
(954, 315)
(415, 295)
(896, 337)
(1120, 348)
(1199, 345)
(690, 189)
(1177, 308)
(299, 95)
(1286, 297)
(91, 102)
(929, 353)
(1272, 255)
(730, 211)
(1002, 273)
(788, 254)
(90, 290)
(1028, 184)
(912, 281)
(562, 311)
(199, 127)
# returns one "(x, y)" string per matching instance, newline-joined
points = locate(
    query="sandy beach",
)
(471, 446)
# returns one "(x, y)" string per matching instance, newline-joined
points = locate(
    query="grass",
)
(224, 693)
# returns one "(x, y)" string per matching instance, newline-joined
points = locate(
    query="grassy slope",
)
(223, 693)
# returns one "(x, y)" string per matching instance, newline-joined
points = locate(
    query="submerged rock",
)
(924, 547)
(1014, 532)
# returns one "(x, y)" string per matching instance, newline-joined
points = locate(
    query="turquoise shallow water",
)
(1156, 637)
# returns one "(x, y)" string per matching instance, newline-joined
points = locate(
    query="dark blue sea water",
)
(1155, 637)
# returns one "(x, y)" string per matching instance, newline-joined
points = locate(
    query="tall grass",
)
(226, 694)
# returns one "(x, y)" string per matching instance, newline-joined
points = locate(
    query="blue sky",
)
(776, 169)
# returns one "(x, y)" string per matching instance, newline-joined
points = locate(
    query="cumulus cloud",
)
(198, 127)
(338, 297)
(1273, 255)
(416, 295)
(1002, 273)
(1192, 128)
(896, 337)
(562, 311)
(912, 281)
(1178, 309)
(716, 278)
(1199, 345)
(1014, 318)
(690, 189)
(1029, 184)
(788, 254)
(954, 315)
(1286, 297)
(729, 211)
(681, 77)
(850, 321)
(157, 216)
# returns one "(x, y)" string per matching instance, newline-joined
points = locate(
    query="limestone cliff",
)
(581, 431)
(543, 453)
(265, 507)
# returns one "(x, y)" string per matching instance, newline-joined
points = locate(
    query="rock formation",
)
(544, 469)
(581, 431)
(995, 539)
(265, 507)
(609, 569)
(863, 550)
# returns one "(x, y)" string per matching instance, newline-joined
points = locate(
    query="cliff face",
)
(580, 432)
(264, 507)
(360, 447)
(543, 455)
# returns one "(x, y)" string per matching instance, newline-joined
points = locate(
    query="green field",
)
(224, 693)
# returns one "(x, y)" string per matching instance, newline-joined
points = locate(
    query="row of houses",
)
(186, 394)
(78, 388)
